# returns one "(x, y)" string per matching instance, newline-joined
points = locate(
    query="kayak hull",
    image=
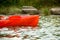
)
(15, 20)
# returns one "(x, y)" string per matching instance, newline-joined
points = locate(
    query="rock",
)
(55, 11)
(29, 10)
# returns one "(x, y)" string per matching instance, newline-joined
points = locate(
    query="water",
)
(49, 29)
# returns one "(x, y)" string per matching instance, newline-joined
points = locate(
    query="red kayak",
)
(16, 20)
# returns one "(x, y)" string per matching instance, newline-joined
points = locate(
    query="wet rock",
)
(29, 10)
(55, 11)
(26, 36)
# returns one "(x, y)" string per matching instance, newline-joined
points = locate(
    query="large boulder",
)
(29, 10)
(55, 11)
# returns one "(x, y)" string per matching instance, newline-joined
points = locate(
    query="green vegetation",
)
(9, 10)
(7, 5)
(35, 3)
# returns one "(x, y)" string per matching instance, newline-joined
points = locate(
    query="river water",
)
(48, 29)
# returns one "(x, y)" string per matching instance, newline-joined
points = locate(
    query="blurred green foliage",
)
(35, 3)
(45, 11)
(11, 6)
(9, 10)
